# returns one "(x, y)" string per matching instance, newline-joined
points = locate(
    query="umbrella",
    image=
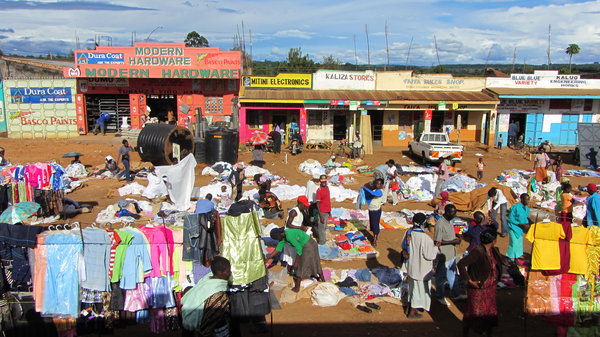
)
(72, 154)
(19, 212)
(259, 138)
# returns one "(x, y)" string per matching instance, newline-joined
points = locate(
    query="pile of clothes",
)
(461, 183)
(353, 244)
(314, 168)
(291, 192)
(420, 187)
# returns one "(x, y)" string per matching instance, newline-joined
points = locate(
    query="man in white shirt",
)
(497, 202)
(311, 188)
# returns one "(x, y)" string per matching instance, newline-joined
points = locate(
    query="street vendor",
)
(269, 202)
(3, 160)
(518, 224)
(307, 263)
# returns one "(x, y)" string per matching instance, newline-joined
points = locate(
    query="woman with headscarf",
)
(307, 262)
(421, 253)
(439, 207)
(481, 269)
(268, 201)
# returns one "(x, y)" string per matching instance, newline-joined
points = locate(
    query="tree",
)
(572, 49)
(330, 62)
(298, 63)
(193, 39)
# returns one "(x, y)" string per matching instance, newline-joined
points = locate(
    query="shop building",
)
(545, 106)
(459, 106)
(166, 81)
(321, 106)
(39, 108)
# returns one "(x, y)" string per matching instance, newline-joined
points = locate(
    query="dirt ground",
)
(302, 318)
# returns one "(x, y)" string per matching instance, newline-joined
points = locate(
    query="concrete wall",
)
(36, 113)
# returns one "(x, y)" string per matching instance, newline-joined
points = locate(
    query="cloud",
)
(2, 37)
(229, 10)
(294, 33)
(6, 5)
(7, 30)
(187, 3)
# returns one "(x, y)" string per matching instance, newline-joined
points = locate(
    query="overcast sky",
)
(467, 31)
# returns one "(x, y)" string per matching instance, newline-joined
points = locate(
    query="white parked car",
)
(434, 146)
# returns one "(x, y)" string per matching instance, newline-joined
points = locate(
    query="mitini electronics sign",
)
(156, 60)
(281, 81)
(41, 95)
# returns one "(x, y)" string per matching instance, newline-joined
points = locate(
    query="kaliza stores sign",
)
(163, 60)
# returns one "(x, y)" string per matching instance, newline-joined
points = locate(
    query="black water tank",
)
(155, 143)
(200, 151)
(221, 145)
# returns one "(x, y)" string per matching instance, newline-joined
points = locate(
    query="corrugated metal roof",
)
(546, 91)
(47, 64)
(359, 95)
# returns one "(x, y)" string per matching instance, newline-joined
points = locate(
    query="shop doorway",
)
(437, 121)
(521, 121)
(163, 107)
(339, 127)
(376, 126)
(117, 107)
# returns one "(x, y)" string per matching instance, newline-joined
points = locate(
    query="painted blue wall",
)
(561, 134)
(2, 110)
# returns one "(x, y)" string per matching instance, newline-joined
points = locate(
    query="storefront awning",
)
(393, 97)
(547, 93)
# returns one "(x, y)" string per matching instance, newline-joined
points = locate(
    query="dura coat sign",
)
(41, 95)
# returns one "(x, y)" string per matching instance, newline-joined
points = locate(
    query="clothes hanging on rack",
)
(199, 237)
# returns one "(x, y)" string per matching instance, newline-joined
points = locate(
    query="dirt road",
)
(301, 318)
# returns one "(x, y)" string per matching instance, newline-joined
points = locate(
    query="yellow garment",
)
(593, 254)
(566, 200)
(546, 253)
(579, 246)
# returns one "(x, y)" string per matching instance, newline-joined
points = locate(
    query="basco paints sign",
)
(41, 95)
(156, 60)
(32, 118)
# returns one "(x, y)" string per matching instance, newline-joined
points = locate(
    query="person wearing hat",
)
(323, 197)
(296, 215)
(3, 161)
(110, 165)
(237, 180)
(420, 253)
(330, 163)
(307, 263)
(592, 206)
(311, 188)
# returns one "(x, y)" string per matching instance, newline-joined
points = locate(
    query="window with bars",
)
(254, 119)
(315, 119)
(214, 104)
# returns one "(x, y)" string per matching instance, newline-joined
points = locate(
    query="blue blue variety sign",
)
(100, 58)
(41, 95)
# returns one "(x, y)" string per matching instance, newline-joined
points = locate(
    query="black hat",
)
(276, 233)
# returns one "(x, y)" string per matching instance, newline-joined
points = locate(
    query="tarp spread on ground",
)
(287, 192)
(476, 199)
(357, 286)
(314, 168)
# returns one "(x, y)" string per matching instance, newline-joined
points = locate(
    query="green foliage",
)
(193, 39)
(572, 49)
(297, 63)
(330, 62)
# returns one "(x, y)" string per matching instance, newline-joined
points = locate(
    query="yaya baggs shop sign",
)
(156, 60)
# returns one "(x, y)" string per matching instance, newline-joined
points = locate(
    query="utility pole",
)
(408, 54)
(437, 52)
(549, 34)
(387, 46)
(368, 46)
(514, 59)
(355, 53)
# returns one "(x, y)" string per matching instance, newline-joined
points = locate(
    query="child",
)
(566, 200)
(500, 141)
(480, 166)
(558, 171)
(224, 195)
